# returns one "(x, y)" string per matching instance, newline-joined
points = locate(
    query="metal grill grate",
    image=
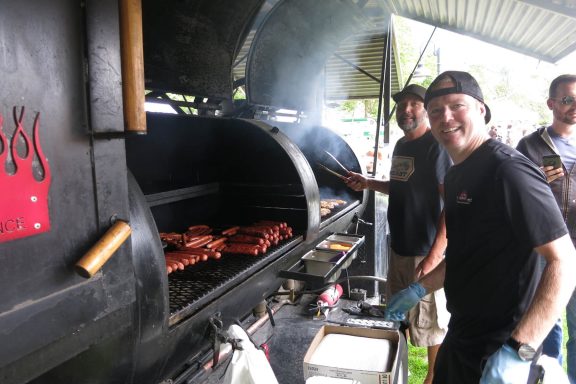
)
(199, 280)
(189, 289)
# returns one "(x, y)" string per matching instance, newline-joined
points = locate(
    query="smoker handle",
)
(100, 252)
(132, 53)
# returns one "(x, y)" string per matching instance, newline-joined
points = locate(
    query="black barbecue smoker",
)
(93, 187)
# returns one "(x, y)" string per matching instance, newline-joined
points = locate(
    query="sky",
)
(458, 51)
(526, 75)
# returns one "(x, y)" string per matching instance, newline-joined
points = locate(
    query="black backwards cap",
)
(412, 89)
(464, 83)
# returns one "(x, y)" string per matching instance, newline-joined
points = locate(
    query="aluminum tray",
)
(324, 275)
(339, 242)
(318, 262)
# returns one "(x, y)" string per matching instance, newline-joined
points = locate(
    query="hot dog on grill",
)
(220, 247)
(172, 264)
(259, 232)
(281, 224)
(178, 263)
(244, 249)
(199, 252)
(196, 244)
(264, 228)
(199, 256)
(171, 236)
(198, 230)
(216, 243)
(198, 241)
(230, 231)
(246, 239)
(172, 257)
(186, 259)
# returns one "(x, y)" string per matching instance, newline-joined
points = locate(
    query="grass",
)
(418, 362)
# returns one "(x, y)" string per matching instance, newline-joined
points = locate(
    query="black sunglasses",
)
(566, 100)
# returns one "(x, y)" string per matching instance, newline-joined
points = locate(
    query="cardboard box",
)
(363, 376)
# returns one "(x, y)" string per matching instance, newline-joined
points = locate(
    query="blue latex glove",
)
(403, 301)
(505, 367)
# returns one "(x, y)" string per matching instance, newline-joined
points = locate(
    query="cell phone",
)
(552, 160)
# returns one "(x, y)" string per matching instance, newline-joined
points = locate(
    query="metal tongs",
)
(332, 171)
(337, 162)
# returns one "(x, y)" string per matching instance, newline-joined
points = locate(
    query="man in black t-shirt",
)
(499, 211)
(415, 217)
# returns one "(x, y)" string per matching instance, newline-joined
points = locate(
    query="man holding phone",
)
(554, 149)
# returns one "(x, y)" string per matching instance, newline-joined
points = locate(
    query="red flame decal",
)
(23, 198)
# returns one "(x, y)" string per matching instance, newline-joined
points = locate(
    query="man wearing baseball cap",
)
(500, 214)
(415, 216)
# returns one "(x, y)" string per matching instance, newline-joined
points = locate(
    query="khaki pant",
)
(429, 318)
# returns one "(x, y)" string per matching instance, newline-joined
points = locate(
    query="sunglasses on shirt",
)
(566, 100)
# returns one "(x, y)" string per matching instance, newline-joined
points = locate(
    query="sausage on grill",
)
(230, 231)
(259, 232)
(198, 241)
(215, 243)
(244, 249)
(198, 230)
(173, 261)
(202, 252)
(246, 239)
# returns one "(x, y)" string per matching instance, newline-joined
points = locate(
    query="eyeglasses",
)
(566, 100)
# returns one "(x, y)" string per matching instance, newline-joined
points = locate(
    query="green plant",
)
(417, 364)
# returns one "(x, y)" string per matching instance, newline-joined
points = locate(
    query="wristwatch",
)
(525, 351)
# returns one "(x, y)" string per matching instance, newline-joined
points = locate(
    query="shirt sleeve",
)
(529, 203)
(443, 163)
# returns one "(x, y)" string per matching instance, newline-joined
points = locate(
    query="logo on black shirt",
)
(402, 168)
(463, 198)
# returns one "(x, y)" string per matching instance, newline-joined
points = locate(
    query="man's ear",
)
(550, 103)
(482, 109)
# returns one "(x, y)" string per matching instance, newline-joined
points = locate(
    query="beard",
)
(570, 120)
(566, 117)
(409, 125)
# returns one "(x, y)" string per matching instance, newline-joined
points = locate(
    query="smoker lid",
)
(189, 45)
(291, 47)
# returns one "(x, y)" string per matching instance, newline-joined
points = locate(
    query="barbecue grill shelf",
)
(338, 213)
(171, 196)
(298, 270)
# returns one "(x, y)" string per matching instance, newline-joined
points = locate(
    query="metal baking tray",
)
(340, 242)
(323, 265)
(317, 262)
